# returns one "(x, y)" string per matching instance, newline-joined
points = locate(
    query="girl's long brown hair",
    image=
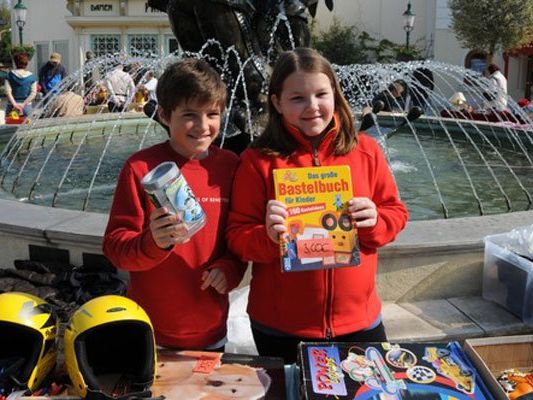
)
(274, 139)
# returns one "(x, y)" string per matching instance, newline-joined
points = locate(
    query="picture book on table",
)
(320, 231)
(203, 375)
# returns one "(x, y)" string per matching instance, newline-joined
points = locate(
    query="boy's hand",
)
(276, 214)
(215, 278)
(167, 229)
(363, 212)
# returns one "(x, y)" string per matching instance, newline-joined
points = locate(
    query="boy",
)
(181, 282)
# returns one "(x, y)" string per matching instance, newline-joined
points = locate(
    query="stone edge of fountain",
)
(429, 279)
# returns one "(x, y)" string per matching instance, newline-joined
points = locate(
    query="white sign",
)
(101, 8)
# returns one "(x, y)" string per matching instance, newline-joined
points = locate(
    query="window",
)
(41, 54)
(105, 44)
(172, 45)
(143, 45)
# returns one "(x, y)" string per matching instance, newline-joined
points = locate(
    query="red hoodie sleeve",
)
(128, 241)
(392, 213)
(246, 233)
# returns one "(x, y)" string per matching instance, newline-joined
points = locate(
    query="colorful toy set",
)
(388, 371)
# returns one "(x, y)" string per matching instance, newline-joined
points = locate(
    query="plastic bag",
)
(520, 241)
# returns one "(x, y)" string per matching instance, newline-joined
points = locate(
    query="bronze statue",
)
(247, 26)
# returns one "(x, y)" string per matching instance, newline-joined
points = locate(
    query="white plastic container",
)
(508, 277)
(167, 187)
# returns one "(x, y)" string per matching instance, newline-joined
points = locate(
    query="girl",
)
(310, 124)
(21, 87)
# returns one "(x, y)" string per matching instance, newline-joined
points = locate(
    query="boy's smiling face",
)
(193, 127)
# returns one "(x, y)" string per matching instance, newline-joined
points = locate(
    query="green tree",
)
(343, 45)
(5, 37)
(492, 25)
(339, 44)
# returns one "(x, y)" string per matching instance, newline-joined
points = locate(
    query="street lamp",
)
(409, 23)
(20, 17)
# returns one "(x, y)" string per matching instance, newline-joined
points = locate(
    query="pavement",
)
(440, 320)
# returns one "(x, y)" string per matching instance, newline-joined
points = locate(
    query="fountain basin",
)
(429, 259)
(74, 163)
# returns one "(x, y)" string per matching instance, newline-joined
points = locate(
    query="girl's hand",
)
(167, 229)
(276, 213)
(363, 212)
(215, 278)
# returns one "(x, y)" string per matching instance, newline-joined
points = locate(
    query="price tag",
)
(311, 248)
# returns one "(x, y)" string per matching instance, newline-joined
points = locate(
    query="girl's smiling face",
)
(306, 101)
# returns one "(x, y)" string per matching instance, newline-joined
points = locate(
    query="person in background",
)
(150, 85)
(151, 105)
(92, 74)
(20, 87)
(421, 87)
(391, 97)
(182, 282)
(65, 104)
(498, 98)
(120, 88)
(310, 123)
(51, 74)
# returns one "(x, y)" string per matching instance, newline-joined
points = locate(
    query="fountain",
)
(445, 167)
(454, 161)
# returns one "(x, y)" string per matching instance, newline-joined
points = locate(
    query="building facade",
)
(72, 27)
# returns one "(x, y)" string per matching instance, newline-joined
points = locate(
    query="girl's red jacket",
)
(166, 283)
(323, 303)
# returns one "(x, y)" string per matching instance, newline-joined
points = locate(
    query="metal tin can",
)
(167, 187)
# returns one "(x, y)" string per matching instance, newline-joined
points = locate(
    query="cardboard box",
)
(491, 356)
(508, 278)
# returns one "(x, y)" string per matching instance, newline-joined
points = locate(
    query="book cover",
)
(202, 375)
(394, 371)
(320, 232)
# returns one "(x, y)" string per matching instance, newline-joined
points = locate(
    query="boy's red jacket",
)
(166, 283)
(313, 304)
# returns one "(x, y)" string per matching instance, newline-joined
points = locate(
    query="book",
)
(196, 375)
(320, 231)
(362, 371)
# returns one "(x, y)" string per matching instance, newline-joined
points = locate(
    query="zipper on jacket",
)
(329, 300)
(316, 161)
(328, 334)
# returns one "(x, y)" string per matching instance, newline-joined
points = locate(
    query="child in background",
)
(20, 87)
(310, 124)
(181, 282)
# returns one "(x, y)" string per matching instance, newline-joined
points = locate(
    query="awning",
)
(522, 51)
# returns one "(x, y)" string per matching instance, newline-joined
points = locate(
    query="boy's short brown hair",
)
(189, 80)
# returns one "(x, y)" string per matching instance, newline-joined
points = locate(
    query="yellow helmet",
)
(31, 326)
(110, 338)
